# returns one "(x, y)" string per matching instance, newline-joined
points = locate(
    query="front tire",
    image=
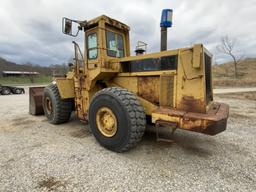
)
(117, 119)
(56, 110)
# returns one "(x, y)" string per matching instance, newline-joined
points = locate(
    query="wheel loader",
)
(118, 94)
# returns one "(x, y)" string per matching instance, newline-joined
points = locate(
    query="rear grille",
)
(166, 90)
(208, 77)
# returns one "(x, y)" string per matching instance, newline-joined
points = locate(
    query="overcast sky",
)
(31, 29)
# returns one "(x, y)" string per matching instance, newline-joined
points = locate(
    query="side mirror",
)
(67, 27)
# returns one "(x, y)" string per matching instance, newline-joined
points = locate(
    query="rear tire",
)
(56, 110)
(129, 117)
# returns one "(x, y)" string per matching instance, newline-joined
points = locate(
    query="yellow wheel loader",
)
(116, 93)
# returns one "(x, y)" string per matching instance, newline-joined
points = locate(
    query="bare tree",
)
(228, 47)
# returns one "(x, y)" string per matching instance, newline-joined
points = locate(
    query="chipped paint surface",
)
(211, 123)
(190, 104)
(36, 100)
(148, 88)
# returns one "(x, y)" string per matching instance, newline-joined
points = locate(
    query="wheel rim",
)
(18, 91)
(48, 105)
(106, 122)
(6, 92)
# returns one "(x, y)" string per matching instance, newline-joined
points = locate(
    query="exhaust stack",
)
(166, 22)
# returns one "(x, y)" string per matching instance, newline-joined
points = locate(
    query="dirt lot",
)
(37, 156)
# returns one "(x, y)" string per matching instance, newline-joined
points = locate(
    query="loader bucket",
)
(36, 100)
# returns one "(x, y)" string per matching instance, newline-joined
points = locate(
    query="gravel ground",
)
(37, 156)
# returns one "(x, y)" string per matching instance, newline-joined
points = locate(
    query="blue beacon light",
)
(166, 19)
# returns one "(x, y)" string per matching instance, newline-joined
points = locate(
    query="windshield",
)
(115, 45)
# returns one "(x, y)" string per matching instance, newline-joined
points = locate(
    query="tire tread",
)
(135, 112)
(63, 106)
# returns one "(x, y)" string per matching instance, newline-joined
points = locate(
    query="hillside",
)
(46, 71)
(10, 66)
(45, 76)
(223, 74)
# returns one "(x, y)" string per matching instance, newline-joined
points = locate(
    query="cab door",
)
(92, 49)
(84, 65)
(79, 80)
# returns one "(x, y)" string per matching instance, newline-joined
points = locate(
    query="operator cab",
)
(106, 40)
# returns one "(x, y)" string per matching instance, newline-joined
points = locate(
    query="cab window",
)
(115, 44)
(92, 46)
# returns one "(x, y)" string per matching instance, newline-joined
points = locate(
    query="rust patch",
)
(148, 88)
(35, 100)
(193, 124)
(210, 123)
(170, 112)
(213, 108)
(190, 104)
(215, 127)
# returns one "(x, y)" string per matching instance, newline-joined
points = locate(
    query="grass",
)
(223, 74)
(230, 82)
(25, 80)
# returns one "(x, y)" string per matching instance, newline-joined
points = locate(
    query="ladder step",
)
(172, 126)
